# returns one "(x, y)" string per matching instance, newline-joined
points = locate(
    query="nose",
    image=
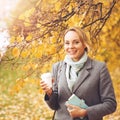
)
(71, 45)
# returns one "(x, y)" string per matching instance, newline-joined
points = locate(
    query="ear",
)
(87, 48)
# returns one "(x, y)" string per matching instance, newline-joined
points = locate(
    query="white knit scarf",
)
(73, 69)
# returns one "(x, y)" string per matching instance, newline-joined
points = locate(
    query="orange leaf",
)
(15, 52)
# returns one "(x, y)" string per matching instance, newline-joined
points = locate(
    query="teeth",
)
(71, 52)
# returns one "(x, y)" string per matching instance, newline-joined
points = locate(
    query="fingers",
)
(71, 106)
(71, 109)
(53, 80)
(76, 111)
(45, 88)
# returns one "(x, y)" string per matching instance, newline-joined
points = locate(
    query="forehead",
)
(71, 35)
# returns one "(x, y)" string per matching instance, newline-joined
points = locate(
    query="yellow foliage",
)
(21, 82)
(26, 67)
(27, 23)
(29, 66)
(29, 12)
(15, 89)
(58, 6)
(70, 8)
(32, 10)
(38, 25)
(46, 67)
(82, 19)
(38, 3)
(61, 54)
(45, 48)
(40, 47)
(29, 37)
(18, 86)
(32, 50)
(32, 81)
(24, 53)
(12, 39)
(19, 38)
(15, 52)
(37, 50)
(38, 54)
(40, 91)
(15, 28)
(53, 39)
(76, 18)
(54, 58)
(34, 66)
(74, 21)
(21, 17)
(26, 79)
(34, 43)
(51, 49)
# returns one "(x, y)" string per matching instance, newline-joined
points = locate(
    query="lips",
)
(72, 52)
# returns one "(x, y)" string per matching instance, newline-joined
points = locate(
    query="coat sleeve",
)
(52, 101)
(108, 101)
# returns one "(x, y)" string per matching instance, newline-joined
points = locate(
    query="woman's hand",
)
(46, 88)
(76, 111)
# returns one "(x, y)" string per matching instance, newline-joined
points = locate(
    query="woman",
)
(78, 74)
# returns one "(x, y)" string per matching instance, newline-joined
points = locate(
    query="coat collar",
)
(84, 74)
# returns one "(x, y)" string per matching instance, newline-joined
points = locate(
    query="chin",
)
(74, 59)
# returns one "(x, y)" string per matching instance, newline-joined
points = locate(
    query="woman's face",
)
(73, 45)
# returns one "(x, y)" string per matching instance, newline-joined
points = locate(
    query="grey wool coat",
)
(94, 85)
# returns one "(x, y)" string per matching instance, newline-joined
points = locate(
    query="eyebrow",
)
(73, 40)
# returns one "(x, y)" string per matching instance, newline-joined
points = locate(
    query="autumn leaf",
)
(58, 6)
(21, 17)
(29, 37)
(15, 52)
(19, 38)
(26, 67)
(24, 53)
(53, 39)
(12, 39)
(38, 54)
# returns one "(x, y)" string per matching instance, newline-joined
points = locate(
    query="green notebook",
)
(74, 100)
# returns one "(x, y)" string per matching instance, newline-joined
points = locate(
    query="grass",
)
(28, 103)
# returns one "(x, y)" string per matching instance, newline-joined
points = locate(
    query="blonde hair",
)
(82, 35)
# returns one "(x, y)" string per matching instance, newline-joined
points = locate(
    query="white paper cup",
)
(47, 78)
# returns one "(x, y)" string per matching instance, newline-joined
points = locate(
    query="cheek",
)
(81, 47)
(80, 50)
(65, 47)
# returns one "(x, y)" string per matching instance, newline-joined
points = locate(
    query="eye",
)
(76, 42)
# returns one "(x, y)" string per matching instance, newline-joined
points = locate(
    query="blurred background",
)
(31, 41)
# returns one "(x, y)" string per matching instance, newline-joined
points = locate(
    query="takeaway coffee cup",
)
(47, 78)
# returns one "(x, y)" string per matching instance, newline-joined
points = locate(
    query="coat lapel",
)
(64, 83)
(84, 74)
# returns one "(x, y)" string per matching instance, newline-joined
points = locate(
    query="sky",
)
(6, 6)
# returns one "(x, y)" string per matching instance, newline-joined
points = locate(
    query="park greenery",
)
(36, 30)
